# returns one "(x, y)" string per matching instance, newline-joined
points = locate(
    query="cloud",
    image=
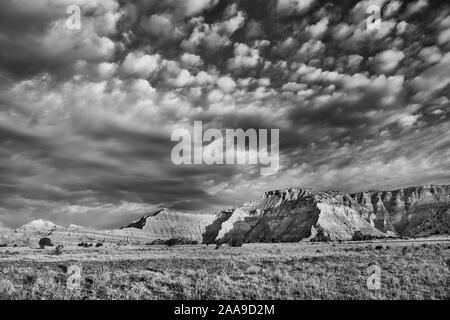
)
(416, 6)
(140, 65)
(193, 7)
(317, 30)
(213, 36)
(191, 60)
(226, 83)
(388, 60)
(244, 57)
(287, 7)
(434, 78)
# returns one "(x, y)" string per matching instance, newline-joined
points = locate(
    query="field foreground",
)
(416, 269)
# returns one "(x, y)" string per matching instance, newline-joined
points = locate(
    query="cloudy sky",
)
(86, 114)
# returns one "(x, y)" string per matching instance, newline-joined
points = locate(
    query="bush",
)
(407, 251)
(359, 236)
(98, 244)
(236, 242)
(85, 244)
(3, 245)
(378, 247)
(45, 242)
(179, 241)
(58, 250)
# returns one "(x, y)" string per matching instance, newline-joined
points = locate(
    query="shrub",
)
(6, 289)
(3, 245)
(236, 242)
(45, 242)
(359, 236)
(85, 244)
(179, 241)
(378, 247)
(407, 251)
(98, 244)
(58, 249)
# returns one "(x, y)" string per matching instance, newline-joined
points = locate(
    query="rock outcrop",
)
(291, 215)
(413, 211)
(288, 215)
(164, 224)
(294, 214)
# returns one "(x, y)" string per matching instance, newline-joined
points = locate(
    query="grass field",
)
(408, 270)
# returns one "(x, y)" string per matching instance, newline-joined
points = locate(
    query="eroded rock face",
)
(413, 211)
(165, 224)
(291, 215)
(287, 215)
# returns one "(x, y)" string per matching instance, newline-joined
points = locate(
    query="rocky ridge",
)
(287, 215)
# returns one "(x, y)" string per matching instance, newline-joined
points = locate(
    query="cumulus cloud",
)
(139, 64)
(226, 83)
(287, 7)
(244, 57)
(191, 60)
(318, 29)
(388, 60)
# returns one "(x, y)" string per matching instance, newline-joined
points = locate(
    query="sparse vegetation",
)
(180, 241)
(45, 242)
(256, 271)
(58, 250)
(236, 242)
(85, 244)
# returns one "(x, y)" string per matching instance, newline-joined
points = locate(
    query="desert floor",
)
(411, 269)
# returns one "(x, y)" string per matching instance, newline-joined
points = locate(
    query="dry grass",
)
(254, 271)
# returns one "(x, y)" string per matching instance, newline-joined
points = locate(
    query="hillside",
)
(414, 211)
(287, 215)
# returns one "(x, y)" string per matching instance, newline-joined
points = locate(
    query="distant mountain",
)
(296, 214)
(165, 224)
(287, 215)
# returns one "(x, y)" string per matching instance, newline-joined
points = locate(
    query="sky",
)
(86, 114)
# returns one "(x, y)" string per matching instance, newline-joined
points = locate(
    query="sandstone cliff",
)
(413, 211)
(292, 215)
(164, 224)
(287, 215)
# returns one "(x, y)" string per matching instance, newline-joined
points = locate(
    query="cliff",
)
(291, 215)
(413, 211)
(287, 215)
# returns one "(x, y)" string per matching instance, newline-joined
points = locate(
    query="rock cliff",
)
(164, 224)
(414, 211)
(292, 215)
(287, 215)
